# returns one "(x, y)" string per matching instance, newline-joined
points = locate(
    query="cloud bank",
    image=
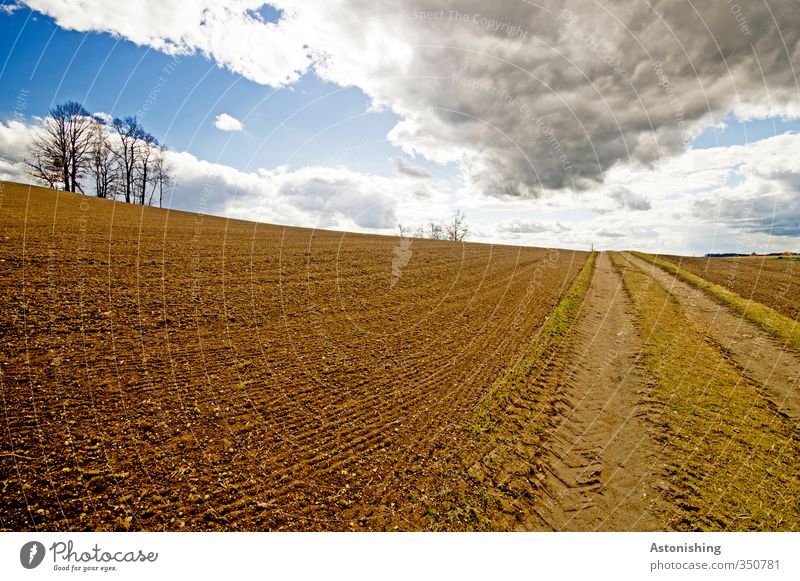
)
(527, 98)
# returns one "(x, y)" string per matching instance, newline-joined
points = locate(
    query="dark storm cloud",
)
(584, 86)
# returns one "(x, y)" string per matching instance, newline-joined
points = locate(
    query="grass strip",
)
(555, 328)
(469, 502)
(778, 325)
(733, 460)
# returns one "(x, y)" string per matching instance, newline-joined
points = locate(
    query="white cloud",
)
(404, 168)
(104, 117)
(227, 32)
(531, 227)
(736, 198)
(15, 138)
(626, 199)
(319, 197)
(225, 122)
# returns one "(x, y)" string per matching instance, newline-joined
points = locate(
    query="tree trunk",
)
(73, 172)
(66, 177)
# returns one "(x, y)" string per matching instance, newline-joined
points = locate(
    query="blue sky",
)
(736, 132)
(364, 90)
(115, 76)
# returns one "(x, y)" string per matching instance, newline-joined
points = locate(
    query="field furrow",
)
(215, 374)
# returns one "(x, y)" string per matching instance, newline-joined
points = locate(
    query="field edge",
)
(776, 324)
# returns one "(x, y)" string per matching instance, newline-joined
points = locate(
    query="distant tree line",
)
(120, 158)
(454, 229)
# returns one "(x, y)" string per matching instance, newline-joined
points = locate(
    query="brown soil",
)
(759, 356)
(167, 371)
(639, 419)
(767, 280)
(170, 371)
(603, 463)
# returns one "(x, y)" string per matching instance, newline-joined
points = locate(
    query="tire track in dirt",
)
(602, 463)
(759, 356)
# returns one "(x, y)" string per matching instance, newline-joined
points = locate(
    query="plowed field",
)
(171, 371)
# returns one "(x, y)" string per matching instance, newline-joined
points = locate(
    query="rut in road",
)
(759, 356)
(603, 465)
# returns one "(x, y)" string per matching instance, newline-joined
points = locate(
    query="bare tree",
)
(65, 143)
(45, 165)
(162, 174)
(457, 229)
(129, 133)
(120, 156)
(80, 126)
(105, 167)
(145, 151)
(404, 230)
(434, 231)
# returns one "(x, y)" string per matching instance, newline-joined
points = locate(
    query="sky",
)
(666, 126)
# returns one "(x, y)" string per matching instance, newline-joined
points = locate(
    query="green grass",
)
(554, 330)
(773, 322)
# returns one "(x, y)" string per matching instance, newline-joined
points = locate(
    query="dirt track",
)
(610, 460)
(603, 461)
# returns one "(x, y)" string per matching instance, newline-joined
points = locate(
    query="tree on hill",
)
(61, 152)
(128, 135)
(147, 147)
(104, 166)
(45, 165)
(121, 157)
(457, 229)
(434, 231)
(162, 174)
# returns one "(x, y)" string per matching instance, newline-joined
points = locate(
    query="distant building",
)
(754, 254)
